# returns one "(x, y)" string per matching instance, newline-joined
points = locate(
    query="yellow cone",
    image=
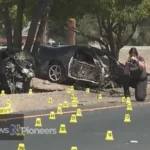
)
(73, 119)
(74, 103)
(1, 110)
(87, 90)
(38, 122)
(50, 101)
(127, 118)
(62, 129)
(5, 110)
(109, 136)
(22, 133)
(72, 96)
(68, 91)
(59, 111)
(76, 99)
(123, 99)
(74, 148)
(99, 96)
(52, 115)
(79, 113)
(65, 104)
(21, 146)
(128, 100)
(2, 92)
(72, 87)
(129, 107)
(30, 92)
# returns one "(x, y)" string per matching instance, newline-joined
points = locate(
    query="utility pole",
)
(71, 34)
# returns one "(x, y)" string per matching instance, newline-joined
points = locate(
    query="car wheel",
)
(56, 72)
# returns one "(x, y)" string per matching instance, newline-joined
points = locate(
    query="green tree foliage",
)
(142, 34)
(110, 22)
(117, 21)
(17, 13)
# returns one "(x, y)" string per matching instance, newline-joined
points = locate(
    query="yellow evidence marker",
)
(50, 101)
(73, 119)
(109, 136)
(123, 100)
(87, 90)
(74, 148)
(68, 90)
(2, 110)
(99, 96)
(76, 99)
(21, 146)
(22, 132)
(72, 87)
(74, 103)
(62, 129)
(59, 111)
(65, 104)
(129, 107)
(30, 92)
(72, 96)
(79, 113)
(2, 93)
(127, 118)
(5, 110)
(38, 122)
(52, 115)
(128, 100)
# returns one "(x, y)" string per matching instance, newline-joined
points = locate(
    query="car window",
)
(84, 56)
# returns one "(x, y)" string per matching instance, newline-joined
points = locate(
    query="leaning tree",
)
(117, 21)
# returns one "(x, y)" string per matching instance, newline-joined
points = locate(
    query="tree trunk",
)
(41, 32)
(38, 13)
(17, 42)
(45, 37)
(4, 10)
(39, 37)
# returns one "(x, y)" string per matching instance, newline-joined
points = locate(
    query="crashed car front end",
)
(16, 74)
(83, 71)
(105, 71)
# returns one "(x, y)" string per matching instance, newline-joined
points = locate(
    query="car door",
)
(82, 66)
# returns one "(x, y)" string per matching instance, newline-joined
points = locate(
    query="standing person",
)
(135, 76)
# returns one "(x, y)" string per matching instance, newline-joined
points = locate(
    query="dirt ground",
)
(25, 103)
(39, 101)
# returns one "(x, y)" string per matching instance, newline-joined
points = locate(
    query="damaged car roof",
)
(65, 48)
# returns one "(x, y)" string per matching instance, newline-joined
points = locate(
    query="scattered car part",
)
(16, 75)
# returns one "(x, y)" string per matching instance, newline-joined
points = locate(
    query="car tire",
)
(56, 72)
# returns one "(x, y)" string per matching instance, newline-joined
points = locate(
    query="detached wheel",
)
(56, 72)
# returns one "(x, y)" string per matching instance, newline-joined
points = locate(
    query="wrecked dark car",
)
(16, 71)
(77, 62)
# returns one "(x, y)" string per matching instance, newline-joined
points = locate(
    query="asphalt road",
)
(89, 133)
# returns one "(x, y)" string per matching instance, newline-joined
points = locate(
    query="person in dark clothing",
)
(135, 76)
